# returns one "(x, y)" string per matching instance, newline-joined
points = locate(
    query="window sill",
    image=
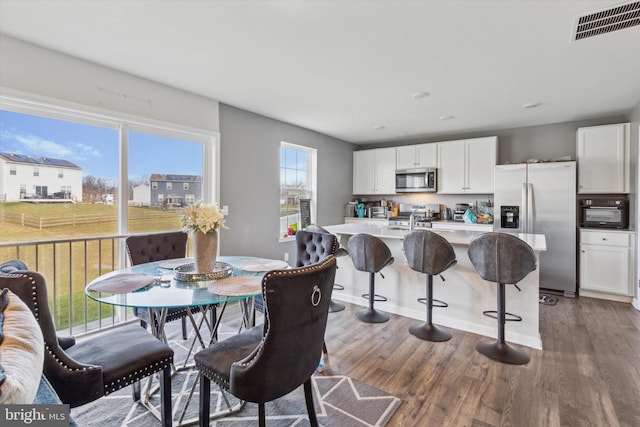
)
(286, 239)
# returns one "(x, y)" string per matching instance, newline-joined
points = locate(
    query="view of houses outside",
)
(52, 170)
(59, 181)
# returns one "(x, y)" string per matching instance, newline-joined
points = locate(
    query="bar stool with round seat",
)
(370, 254)
(504, 259)
(432, 254)
(340, 252)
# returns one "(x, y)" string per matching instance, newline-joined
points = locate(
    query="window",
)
(185, 186)
(297, 182)
(89, 173)
(160, 198)
(189, 198)
(12, 170)
(169, 186)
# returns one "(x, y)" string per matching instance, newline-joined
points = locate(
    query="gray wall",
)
(250, 180)
(544, 142)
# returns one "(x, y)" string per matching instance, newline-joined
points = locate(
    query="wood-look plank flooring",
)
(588, 373)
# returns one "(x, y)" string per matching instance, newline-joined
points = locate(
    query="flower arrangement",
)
(202, 217)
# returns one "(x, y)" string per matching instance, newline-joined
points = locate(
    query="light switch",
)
(225, 209)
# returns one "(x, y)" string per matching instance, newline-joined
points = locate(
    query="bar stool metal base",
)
(335, 306)
(370, 315)
(430, 332)
(502, 352)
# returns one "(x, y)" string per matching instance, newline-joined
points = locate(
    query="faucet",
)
(412, 220)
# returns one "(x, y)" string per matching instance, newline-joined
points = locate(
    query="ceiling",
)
(349, 68)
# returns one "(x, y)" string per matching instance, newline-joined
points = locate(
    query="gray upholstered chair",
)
(99, 365)
(432, 254)
(143, 248)
(271, 360)
(340, 252)
(370, 254)
(504, 259)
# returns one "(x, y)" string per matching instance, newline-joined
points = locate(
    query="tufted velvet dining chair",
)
(340, 252)
(310, 248)
(145, 248)
(100, 365)
(271, 360)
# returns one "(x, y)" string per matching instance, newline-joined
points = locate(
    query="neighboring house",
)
(27, 177)
(175, 190)
(141, 195)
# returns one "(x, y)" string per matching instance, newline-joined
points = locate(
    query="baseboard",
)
(636, 303)
(603, 295)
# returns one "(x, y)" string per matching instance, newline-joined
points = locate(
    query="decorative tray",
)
(187, 272)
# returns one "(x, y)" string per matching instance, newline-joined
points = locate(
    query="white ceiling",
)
(345, 67)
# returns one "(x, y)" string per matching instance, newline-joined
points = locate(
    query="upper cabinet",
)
(374, 171)
(466, 166)
(603, 159)
(416, 156)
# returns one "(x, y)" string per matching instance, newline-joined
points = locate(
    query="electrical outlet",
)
(225, 210)
(286, 257)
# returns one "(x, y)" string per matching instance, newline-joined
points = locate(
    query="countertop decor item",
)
(204, 221)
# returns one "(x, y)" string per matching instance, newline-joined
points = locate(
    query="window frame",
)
(26, 103)
(312, 176)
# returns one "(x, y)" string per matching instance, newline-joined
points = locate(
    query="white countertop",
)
(455, 237)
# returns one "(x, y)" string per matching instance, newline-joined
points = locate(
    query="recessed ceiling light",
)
(531, 105)
(447, 117)
(379, 127)
(418, 95)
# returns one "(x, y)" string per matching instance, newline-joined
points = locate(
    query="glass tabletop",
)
(164, 291)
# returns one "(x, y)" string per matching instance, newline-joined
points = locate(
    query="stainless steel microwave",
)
(416, 180)
(604, 213)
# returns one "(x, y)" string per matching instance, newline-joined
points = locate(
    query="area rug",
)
(339, 401)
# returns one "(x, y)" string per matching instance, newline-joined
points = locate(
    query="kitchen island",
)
(466, 293)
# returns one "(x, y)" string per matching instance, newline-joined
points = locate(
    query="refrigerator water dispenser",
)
(510, 216)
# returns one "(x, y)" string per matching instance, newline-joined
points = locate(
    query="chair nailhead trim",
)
(136, 376)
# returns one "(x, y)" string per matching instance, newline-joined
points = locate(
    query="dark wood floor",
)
(587, 375)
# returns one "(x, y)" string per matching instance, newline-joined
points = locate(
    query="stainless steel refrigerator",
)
(540, 198)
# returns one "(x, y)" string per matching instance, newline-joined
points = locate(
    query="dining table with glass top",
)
(161, 285)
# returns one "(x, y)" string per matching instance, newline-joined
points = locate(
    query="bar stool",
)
(432, 254)
(333, 306)
(370, 254)
(504, 259)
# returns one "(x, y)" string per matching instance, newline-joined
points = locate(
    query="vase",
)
(205, 250)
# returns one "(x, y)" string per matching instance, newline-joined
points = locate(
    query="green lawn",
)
(54, 265)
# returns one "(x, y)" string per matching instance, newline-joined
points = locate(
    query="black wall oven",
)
(603, 213)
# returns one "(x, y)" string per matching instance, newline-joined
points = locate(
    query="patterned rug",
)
(339, 401)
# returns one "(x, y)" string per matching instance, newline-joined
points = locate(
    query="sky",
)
(95, 149)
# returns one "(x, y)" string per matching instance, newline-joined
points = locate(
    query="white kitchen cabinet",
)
(417, 156)
(606, 263)
(603, 159)
(374, 171)
(466, 166)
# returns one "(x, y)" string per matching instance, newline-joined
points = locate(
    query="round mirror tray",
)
(187, 272)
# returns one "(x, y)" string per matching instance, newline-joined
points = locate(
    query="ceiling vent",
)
(605, 21)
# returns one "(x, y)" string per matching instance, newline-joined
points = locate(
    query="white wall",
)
(34, 70)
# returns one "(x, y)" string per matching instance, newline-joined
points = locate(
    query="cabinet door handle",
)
(604, 238)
